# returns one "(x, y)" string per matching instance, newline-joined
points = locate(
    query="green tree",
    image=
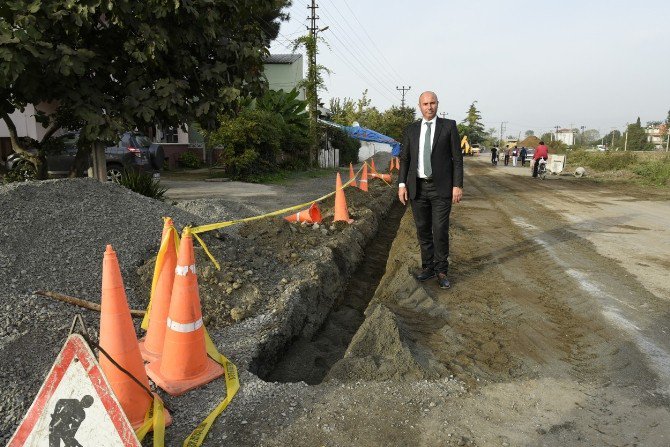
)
(109, 66)
(590, 136)
(394, 121)
(474, 128)
(529, 133)
(636, 138)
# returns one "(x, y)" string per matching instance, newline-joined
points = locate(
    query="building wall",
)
(566, 137)
(285, 76)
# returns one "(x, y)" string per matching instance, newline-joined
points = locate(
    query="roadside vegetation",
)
(647, 168)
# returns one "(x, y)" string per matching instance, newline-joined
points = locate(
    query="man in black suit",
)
(431, 178)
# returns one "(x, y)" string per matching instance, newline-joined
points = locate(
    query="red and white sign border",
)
(76, 349)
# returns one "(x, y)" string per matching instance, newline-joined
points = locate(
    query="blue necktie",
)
(427, 168)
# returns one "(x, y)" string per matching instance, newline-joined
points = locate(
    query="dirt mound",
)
(382, 161)
(383, 350)
(531, 141)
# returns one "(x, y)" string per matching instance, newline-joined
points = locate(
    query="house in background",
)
(284, 72)
(566, 136)
(26, 126)
(655, 135)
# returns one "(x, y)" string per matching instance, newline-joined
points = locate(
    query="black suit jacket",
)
(446, 157)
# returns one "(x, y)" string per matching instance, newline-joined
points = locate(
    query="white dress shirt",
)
(422, 140)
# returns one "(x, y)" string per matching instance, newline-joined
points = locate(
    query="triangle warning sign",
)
(75, 406)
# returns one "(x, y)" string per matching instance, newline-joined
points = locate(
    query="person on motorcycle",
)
(541, 152)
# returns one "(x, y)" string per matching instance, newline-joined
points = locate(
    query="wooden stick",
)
(82, 303)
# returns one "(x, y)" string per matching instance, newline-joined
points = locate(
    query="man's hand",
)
(402, 195)
(456, 194)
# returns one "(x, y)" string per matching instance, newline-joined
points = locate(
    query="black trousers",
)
(431, 217)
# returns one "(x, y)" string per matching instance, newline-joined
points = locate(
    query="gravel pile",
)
(54, 235)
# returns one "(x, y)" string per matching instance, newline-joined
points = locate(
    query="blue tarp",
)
(363, 134)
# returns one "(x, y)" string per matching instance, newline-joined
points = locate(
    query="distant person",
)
(515, 154)
(541, 152)
(507, 154)
(494, 155)
(431, 178)
(523, 153)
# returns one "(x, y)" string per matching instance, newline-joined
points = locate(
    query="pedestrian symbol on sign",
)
(66, 419)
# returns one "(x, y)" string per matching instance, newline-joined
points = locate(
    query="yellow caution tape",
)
(157, 270)
(196, 438)
(154, 419)
(216, 226)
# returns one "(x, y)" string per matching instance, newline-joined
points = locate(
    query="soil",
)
(553, 333)
(549, 335)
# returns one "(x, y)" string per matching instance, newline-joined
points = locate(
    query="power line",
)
(362, 45)
(390, 65)
(375, 86)
(362, 62)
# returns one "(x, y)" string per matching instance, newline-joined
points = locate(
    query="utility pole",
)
(625, 145)
(443, 114)
(502, 126)
(556, 133)
(312, 76)
(403, 89)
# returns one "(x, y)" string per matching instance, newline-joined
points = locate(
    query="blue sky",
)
(533, 64)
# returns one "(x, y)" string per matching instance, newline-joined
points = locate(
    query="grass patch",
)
(654, 172)
(603, 161)
(626, 166)
(285, 176)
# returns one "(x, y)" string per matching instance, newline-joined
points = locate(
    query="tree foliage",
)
(636, 138)
(267, 134)
(110, 66)
(473, 128)
(392, 122)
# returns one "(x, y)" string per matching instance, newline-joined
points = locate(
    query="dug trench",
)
(536, 361)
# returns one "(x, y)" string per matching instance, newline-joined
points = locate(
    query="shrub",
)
(603, 161)
(189, 160)
(143, 183)
(654, 172)
(348, 146)
(251, 143)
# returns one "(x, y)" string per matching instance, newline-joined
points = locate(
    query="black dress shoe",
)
(443, 281)
(425, 274)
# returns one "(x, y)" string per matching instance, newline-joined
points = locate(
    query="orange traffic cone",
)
(151, 346)
(385, 177)
(117, 338)
(341, 211)
(372, 165)
(310, 215)
(352, 175)
(184, 364)
(363, 184)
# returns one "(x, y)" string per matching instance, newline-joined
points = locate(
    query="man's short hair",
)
(541, 142)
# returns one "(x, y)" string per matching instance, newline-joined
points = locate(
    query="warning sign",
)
(75, 406)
